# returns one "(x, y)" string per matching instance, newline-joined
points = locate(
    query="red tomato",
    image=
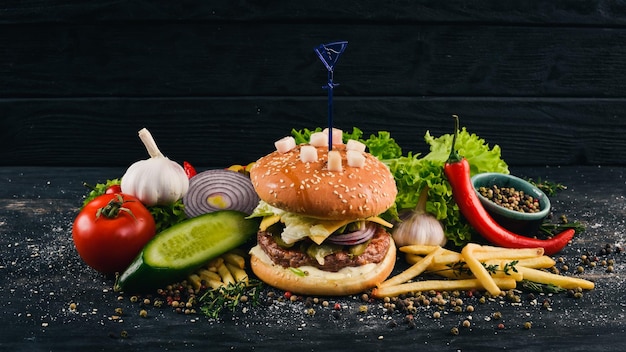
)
(114, 189)
(111, 230)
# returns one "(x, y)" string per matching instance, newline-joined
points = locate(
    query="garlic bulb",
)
(157, 180)
(420, 227)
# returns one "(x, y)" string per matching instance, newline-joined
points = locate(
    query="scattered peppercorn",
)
(510, 198)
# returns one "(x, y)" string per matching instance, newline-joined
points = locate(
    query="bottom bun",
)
(308, 280)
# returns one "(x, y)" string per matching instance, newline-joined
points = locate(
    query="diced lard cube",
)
(355, 158)
(334, 161)
(353, 144)
(308, 154)
(285, 144)
(337, 135)
(319, 139)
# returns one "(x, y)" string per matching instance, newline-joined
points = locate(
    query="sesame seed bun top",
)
(309, 188)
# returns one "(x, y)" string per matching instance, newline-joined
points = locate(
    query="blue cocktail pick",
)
(329, 54)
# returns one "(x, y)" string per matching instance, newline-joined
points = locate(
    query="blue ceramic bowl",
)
(515, 221)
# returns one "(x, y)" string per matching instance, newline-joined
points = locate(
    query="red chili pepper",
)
(189, 169)
(457, 170)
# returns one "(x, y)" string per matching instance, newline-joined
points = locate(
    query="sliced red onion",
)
(219, 189)
(365, 232)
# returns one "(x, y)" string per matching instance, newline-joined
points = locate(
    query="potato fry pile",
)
(488, 268)
(229, 268)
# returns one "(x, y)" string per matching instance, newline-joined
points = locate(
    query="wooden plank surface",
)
(561, 12)
(219, 82)
(41, 275)
(277, 59)
(221, 132)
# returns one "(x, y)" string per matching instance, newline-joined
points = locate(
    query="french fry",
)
(487, 253)
(447, 256)
(195, 281)
(206, 275)
(211, 278)
(418, 249)
(412, 258)
(238, 273)
(479, 270)
(445, 270)
(215, 263)
(501, 272)
(491, 268)
(542, 262)
(227, 277)
(545, 277)
(413, 271)
(439, 285)
(234, 259)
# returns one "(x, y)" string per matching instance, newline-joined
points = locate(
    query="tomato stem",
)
(113, 208)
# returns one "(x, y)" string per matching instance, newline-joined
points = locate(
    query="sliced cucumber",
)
(179, 250)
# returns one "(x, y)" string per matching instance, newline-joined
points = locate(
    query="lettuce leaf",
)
(412, 173)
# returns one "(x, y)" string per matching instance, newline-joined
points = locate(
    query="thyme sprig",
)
(549, 228)
(548, 187)
(460, 268)
(213, 301)
(541, 288)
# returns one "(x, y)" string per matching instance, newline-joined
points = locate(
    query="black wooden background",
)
(217, 82)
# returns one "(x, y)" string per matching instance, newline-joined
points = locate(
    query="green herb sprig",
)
(548, 187)
(213, 301)
(541, 288)
(460, 268)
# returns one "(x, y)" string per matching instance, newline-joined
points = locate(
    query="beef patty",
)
(293, 257)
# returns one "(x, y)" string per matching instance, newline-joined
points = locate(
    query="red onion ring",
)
(365, 232)
(219, 189)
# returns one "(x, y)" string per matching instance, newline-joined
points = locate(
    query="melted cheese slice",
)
(317, 230)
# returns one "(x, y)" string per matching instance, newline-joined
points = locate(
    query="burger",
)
(321, 232)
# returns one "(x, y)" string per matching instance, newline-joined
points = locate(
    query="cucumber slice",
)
(179, 250)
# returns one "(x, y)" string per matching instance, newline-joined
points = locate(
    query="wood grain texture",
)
(277, 59)
(561, 12)
(220, 132)
(219, 82)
